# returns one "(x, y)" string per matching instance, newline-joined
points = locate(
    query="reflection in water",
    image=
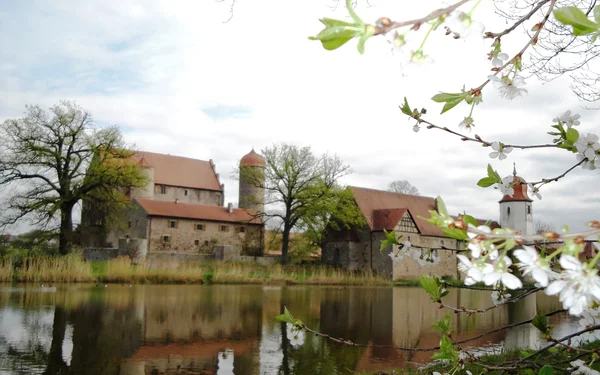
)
(226, 329)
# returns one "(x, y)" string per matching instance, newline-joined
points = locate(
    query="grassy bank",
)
(121, 270)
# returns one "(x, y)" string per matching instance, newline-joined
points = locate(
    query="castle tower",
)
(252, 178)
(515, 211)
(148, 190)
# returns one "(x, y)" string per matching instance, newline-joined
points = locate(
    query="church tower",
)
(252, 179)
(515, 211)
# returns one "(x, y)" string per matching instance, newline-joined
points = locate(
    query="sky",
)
(177, 77)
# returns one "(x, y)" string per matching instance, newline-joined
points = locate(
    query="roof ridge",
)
(141, 152)
(390, 192)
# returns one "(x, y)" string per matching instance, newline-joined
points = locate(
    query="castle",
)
(359, 248)
(181, 210)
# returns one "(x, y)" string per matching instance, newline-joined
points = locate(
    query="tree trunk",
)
(66, 229)
(285, 244)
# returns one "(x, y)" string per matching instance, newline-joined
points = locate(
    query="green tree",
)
(51, 160)
(297, 184)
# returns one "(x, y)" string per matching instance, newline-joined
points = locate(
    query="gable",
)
(180, 171)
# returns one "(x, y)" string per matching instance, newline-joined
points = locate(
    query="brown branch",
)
(546, 180)
(478, 139)
(473, 311)
(516, 24)
(384, 27)
(535, 237)
(533, 40)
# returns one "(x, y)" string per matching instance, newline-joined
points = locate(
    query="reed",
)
(70, 268)
(6, 270)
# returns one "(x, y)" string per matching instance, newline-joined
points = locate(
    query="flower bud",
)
(549, 235)
(594, 224)
(384, 21)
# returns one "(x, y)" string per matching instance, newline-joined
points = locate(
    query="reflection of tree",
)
(56, 363)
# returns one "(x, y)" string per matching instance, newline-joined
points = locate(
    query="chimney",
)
(217, 177)
(230, 208)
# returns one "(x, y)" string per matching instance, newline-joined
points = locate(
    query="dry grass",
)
(6, 271)
(65, 269)
(122, 270)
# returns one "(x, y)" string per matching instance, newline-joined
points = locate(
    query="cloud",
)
(178, 80)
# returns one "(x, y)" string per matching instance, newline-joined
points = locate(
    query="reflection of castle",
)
(181, 209)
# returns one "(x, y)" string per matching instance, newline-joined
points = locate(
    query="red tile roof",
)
(195, 211)
(180, 171)
(252, 159)
(387, 218)
(520, 187)
(373, 204)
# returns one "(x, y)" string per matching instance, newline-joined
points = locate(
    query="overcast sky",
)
(179, 80)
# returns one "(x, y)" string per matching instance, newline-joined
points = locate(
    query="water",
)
(230, 329)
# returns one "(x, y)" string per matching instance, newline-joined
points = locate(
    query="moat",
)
(230, 329)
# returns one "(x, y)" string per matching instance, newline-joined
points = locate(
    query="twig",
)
(535, 237)
(546, 180)
(510, 300)
(516, 24)
(478, 139)
(382, 29)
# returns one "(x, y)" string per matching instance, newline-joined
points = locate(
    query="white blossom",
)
(501, 273)
(530, 262)
(500, 151)
(587, 163)
(295, 335)
(568, 119)
(589, 318)
(474, 270)
(535, 191)
(476, 246)
(462, 25)
(587, 146)
(466, 123)
(577, 287)
(581, 368)
(498, 61)
(505, 186)
(499, 297)
(509, 88)
(416, 128)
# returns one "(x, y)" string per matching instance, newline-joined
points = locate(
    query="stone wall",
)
(185, 238)
(444, 263)
(93, 254)
(134, 225)
(197, 196)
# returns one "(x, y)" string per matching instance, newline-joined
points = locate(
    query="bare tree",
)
(543, 226)
(558, 52)
(402, 187)
(49, 161)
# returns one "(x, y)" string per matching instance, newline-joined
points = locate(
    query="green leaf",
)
(329, 22)
(443, 325)
(406, 108)
(455, 233)
(286, 317)
(486, 182)
(441, 206)
(546, 370)
(451, 104)
(468, 219)
(540, 322)
(363, 38)
(430, 285)
(572, 135)
(446, 97)
(575, 17)
(597, 13)
(353, 13)
(390, 239)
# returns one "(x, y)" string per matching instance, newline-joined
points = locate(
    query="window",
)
(242, 229)
(205, 243)
(442, 242)
(197, 242)
(172, 223)
(163, 189)
(508, 211)
(129, 224)
(218, 197)
(529, 210)
(223, 228)
(166, 239)
(407, 225)
(199, 226)
(185, 192)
